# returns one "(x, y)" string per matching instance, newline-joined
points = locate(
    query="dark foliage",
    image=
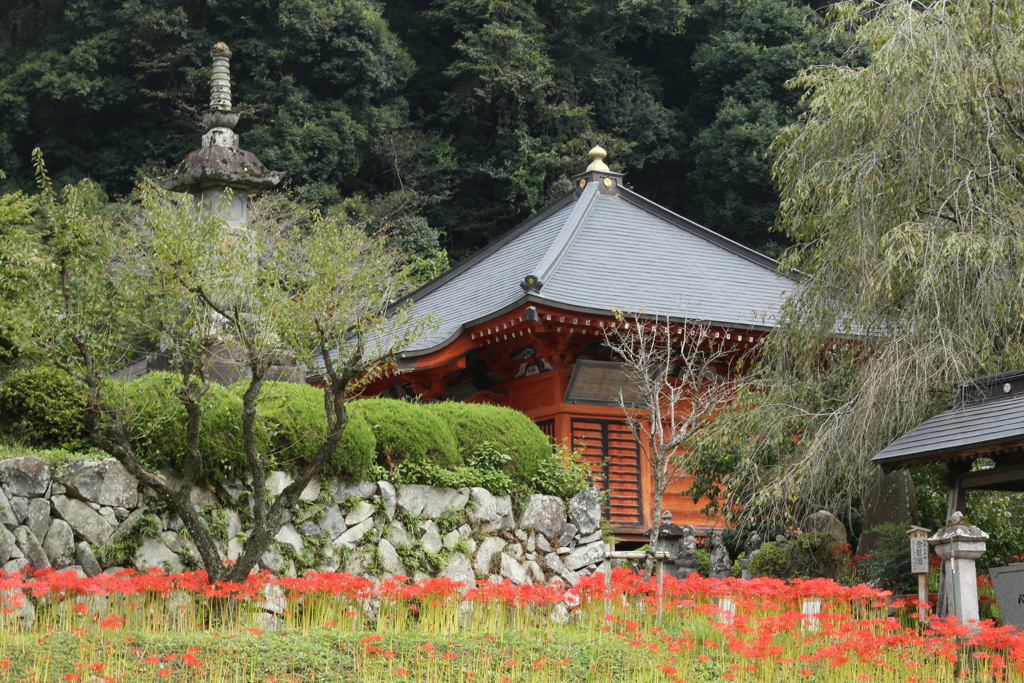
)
(379, 111)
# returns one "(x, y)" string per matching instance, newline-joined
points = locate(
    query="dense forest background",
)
(447, 121)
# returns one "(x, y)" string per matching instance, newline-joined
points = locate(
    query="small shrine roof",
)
(603, 247)
(985, 416)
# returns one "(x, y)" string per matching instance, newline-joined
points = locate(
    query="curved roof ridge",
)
(483, 252)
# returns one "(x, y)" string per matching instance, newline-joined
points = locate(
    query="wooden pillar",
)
(659, 564)
(957, 501)
(606, 568)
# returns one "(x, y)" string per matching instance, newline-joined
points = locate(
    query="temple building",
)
(984, 420)
(522, 324)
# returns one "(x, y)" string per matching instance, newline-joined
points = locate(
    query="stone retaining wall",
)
(71, 516)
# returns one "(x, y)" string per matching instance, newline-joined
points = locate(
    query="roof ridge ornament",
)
(599, 173)
(597, 156)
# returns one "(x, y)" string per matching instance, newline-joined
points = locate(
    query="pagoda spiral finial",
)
(220, 115)
(220, 84)
(221, 163)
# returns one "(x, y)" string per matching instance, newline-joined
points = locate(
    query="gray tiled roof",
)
(604, 251)
(992, 422)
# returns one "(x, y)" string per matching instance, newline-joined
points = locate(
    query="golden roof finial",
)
(597, 156)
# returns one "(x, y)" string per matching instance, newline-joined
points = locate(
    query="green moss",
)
(55, 456)
(407, 430)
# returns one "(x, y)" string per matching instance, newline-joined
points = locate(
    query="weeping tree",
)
(290, 290)
(903, 188)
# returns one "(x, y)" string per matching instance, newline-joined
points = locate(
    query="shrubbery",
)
(407, 430)
(157, 420)
(442, 444)
(889, 563)
(293, 417)
(770, 561)
(809, 555)
(509, 431)
(43, 407)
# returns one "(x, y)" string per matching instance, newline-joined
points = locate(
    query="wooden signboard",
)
(918, 550)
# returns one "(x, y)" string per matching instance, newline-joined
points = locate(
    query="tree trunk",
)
(659, 494)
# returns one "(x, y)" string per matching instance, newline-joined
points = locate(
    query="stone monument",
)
(668, 541)
(686, 559)
(219, 164)
(221, 176)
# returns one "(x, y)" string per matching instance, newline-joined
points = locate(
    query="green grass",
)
(322, 655)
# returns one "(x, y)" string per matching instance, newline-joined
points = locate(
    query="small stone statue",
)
(750, 548)
(752, 545)
(721, 563)
(686, 557)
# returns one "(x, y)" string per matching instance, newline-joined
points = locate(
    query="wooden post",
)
(957, 501)
(920, 565)
(922, 595)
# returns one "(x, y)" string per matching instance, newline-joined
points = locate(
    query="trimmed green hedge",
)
(507, 430)
(407, 430)
(291, 420)
(43, 407)
(293, 416)
(444, 444)
(157, 419)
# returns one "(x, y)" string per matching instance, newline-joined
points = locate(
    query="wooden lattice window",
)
(613, 455)
(548, 427)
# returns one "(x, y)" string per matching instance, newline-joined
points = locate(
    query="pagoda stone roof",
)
(603, 247)
(220, 167)
(220, 162)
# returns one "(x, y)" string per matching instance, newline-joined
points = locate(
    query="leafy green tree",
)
(291, 289)
(725, 79)
(522, 90)
(380, 112)
(904, 192)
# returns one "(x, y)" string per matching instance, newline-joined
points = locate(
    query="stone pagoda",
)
(220, 163)
(220, 176)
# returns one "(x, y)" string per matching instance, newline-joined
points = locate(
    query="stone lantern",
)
(959, 544)
(668, 541)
